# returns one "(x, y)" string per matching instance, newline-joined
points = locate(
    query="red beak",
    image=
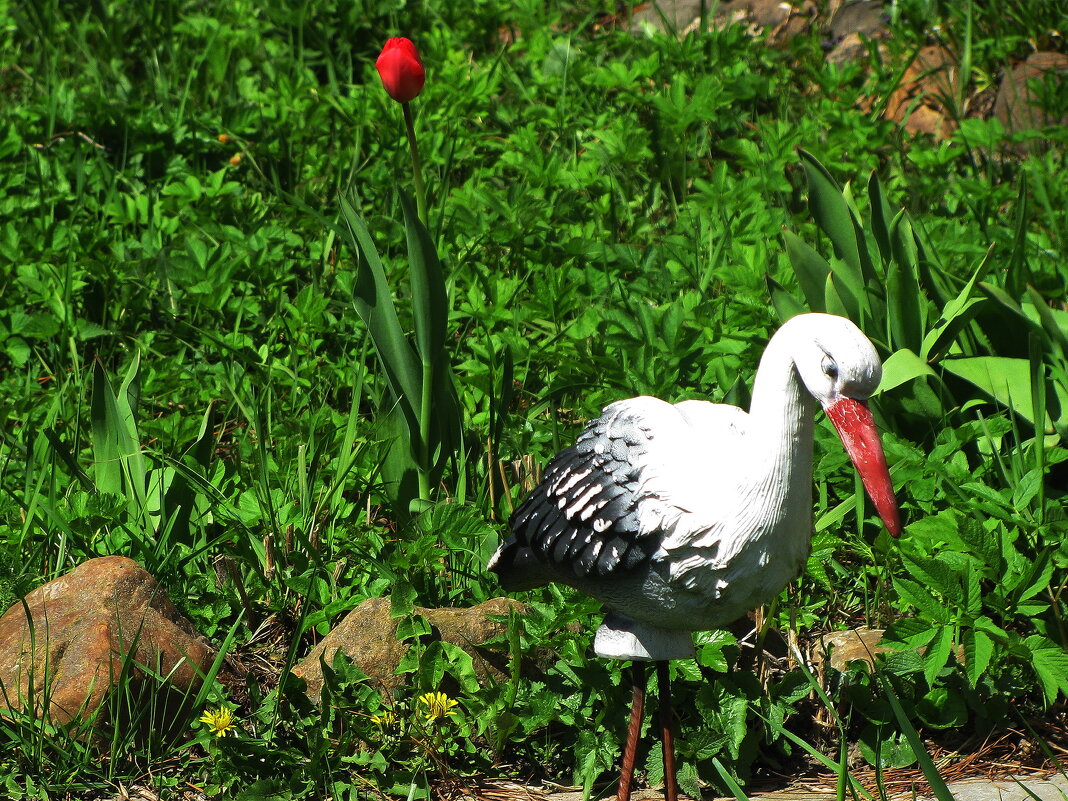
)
(853, 420)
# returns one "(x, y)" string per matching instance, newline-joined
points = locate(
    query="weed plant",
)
(186, 378)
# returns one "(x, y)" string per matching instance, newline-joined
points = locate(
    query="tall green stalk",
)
(417, 164)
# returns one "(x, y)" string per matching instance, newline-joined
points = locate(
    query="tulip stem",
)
(417, 165)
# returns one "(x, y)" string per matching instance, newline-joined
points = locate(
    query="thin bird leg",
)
(663, 680)
(637, 706)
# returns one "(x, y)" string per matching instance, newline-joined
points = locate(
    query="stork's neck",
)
(782, 419)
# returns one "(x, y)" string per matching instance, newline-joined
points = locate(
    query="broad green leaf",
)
(901, 367)
(851, 293)
(833, 215)
(1036, 577)
(811, 270)
(955, 315)
(116, 450)
(402, 598)
(903, 246)
(903, 307)
(430, 303)
(1051, 324)
(832, 302)
(1000, 378)
(880, 217)
(374, 304)
(935, 574)
(786, 305)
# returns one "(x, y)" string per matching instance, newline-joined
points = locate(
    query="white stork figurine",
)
(684, 517)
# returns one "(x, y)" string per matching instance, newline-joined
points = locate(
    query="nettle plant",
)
(977, 612)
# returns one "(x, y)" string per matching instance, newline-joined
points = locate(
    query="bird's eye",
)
(830, 367)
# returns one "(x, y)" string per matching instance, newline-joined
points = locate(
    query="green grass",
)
(186, 377)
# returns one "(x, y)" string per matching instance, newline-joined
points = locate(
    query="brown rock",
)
(368, 636)
(683, 16)
(928, 88)
(1017, 103)
(84, 626)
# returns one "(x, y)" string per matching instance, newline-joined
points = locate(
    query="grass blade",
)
(927, 765)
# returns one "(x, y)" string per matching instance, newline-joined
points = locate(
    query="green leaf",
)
(430, 303)
(117, 459)
(689, 780)
(915, 594)
(930, 772)
(955, 315)
(374, 304)
(786, 305)
(903, 305)
(810, 268)
(402, 598)
(901, 367)
(978, 650)
(933, 573)
(1050, 662)
(937, 654)
(1002, 379)
(832, 301)
(833, 215)
(732, 785)
(880, 217)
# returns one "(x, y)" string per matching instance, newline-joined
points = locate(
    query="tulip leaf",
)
(832, 303)
(901, 367)
(903, 299)
(430, 305)
(1002, 379)
(832, 214)
(374, 304)
(955, 315)
(811, 270)
(786, 305)
(881, 217)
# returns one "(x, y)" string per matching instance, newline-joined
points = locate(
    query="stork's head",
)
(841, 369)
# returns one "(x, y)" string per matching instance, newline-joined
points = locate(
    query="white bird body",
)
(684, 517)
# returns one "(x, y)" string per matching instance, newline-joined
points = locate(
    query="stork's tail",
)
(516, 568)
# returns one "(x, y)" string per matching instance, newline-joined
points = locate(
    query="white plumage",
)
(683, 517)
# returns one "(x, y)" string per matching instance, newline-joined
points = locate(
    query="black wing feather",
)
(584, 514)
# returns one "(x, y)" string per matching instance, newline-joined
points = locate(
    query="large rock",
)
(781, 20)
(84, 626)
(1018, 105)
(923, 99)
(368, 637)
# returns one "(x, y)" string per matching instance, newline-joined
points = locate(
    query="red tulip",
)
(401, 69)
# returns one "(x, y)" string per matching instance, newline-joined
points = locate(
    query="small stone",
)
(865, 17)
(84, 626)
(368, 637)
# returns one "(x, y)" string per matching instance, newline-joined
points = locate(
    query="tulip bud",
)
(401, 69)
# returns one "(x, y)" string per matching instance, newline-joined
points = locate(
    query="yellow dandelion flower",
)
(438, 705)
(219, 721)
(387, 719)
